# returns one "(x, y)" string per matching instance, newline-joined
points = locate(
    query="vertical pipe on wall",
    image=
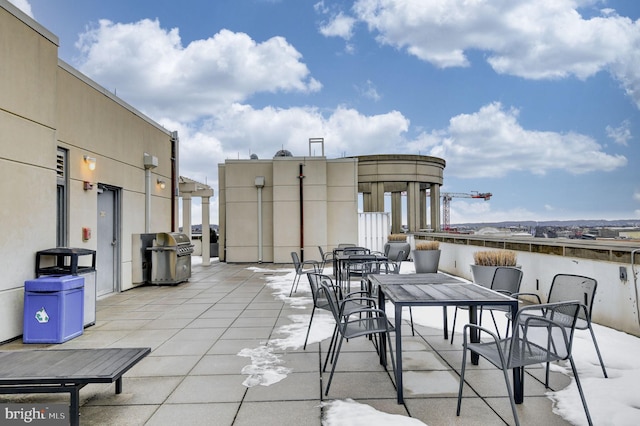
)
(147, 200)
(150, 162)
(260, 225)
(174, 180)
(259, 184)
(301, 177)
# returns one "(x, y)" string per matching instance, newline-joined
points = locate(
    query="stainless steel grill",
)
(170, 258)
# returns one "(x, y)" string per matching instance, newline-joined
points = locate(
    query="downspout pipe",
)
(301, 178)
(150, 162)
(259, 184)
(174, 179)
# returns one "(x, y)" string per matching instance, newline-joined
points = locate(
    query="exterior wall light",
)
(162, 184)
(91, 162)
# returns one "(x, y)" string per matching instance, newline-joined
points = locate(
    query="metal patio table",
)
(436, 289)
(342, 262)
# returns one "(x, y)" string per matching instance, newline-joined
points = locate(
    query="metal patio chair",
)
(535, 339)
(302, 268)
(325, 256)
(506, 280)
(356, 323)
(573, 287)
(320, 301)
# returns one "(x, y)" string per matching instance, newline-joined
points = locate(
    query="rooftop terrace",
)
(227, 350)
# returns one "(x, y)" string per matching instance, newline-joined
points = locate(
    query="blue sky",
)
(535, 101)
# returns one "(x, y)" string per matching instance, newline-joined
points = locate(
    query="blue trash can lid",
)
(54, 283)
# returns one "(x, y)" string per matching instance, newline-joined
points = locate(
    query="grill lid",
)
(171, 239)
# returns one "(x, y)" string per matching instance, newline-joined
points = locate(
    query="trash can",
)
(53, 308)
(66, 262)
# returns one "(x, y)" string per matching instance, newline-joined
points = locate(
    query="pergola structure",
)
(188, 189)
(398, 174)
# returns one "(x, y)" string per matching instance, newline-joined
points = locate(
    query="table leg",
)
(475, 335)
(445, 323)
(383, 339)
(518, 373)
(399, 353)
(74, 406)
(518, 385)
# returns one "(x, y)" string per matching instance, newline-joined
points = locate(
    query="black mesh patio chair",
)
(506, 280)
(320, 301)
(302, 268)
(325, 256)
(572, 287)
(535, 339)
(356, 323)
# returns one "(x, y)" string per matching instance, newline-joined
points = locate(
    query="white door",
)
(108, 240)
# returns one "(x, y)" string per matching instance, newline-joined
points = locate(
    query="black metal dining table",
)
(437, 289)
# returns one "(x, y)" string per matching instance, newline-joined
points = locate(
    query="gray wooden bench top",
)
(65, 370)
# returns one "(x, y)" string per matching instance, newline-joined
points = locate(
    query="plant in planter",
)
(485, 263)
(426, 256)
(395, 244)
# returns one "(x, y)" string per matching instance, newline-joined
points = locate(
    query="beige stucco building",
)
(270, 208)
(54, 124)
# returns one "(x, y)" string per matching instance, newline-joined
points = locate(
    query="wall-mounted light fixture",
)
(91, 162)
(161, 183)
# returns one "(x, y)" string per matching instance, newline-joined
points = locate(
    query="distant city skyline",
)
(535, 102)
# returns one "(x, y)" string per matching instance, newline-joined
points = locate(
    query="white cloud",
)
(267, 130)
(23, 5)
(340, 25)
(621, 134)
(636, 195)
(149, 67)
(536, 39)
(491, 143)
(369, 91)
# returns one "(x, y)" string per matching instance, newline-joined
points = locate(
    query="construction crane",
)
(446, 207)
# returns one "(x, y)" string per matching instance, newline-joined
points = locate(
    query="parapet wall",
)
(609, 262)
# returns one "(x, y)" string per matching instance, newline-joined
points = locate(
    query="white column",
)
(206, 249)
(435, 207)
(186, 214)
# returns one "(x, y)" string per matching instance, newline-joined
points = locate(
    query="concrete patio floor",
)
(193, 374)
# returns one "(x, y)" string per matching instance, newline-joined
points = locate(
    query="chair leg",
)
(595, 343)
(304, 347)
(464, 366)
(453, 328)
(584, 401)
(495, 324)
(413, 331)
(297, 282)
(294, 284)
(393, 362)
(333, 367)
(329, 350)
(511, 399)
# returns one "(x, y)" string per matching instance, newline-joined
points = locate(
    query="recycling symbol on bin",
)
(42, 316)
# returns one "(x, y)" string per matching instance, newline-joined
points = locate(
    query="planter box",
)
(426, 261)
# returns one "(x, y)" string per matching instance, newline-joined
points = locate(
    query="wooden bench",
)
(65, 370)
